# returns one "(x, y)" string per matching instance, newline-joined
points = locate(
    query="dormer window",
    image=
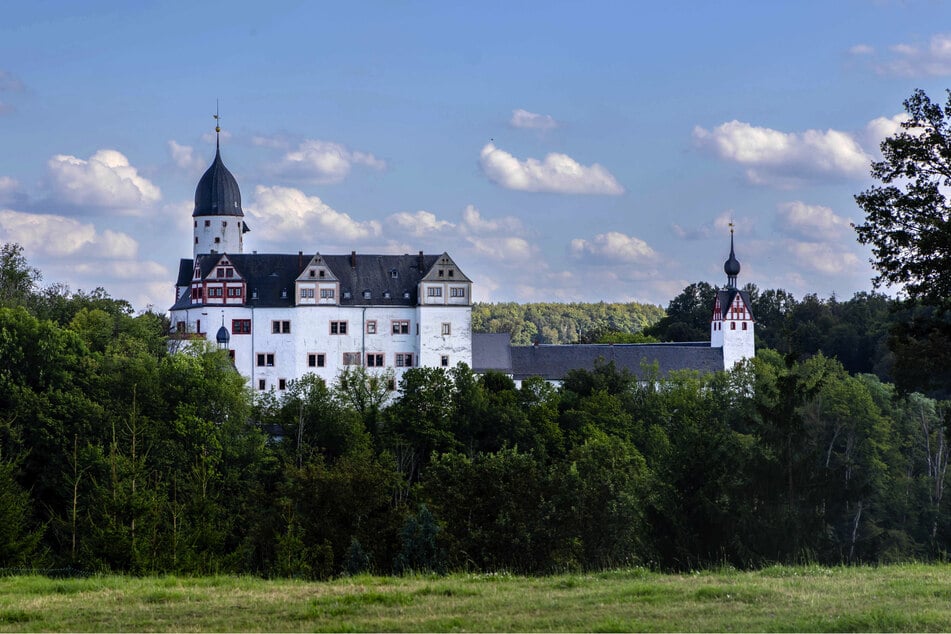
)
(405, 294)
(346, 294)
(394, 274)
(386, 294)
(254, 294)
(284, 294)
(366, 294)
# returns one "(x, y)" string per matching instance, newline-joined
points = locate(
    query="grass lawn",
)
(911, 597)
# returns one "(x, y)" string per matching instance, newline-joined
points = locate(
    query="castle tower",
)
(731, 326)
(218, 217)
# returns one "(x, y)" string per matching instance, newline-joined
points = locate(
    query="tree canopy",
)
(907, 217)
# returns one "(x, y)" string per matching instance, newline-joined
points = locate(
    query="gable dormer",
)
(316, 285)
(445, 283)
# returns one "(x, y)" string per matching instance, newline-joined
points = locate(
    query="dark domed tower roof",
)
(217, 193)
(732, 266)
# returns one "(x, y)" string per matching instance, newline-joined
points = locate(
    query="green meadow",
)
(909, 597)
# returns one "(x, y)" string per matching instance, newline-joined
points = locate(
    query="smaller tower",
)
(731, 326)
(218, 217)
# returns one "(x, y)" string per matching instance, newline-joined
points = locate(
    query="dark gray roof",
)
(491, 351)
(270, 277)
(726, 297)
(552, 362)
(217, 193)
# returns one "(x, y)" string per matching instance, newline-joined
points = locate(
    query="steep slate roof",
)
(270, 274)
(552, 362)
(491, 351)
(726, 297)
(217, 193)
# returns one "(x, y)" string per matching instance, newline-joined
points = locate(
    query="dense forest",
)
(115, 455)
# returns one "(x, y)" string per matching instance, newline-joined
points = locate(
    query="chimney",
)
(420, 262)
(300, 259)
(353, 259)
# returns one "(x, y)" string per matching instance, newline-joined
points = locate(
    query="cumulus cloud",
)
(917, 60)
(504, 249)
(532, 121)
(322, 162)
(473, 222)
(823, 257)
(59, 236)
(105, 180)
(878, 129)
(613, 247)
(782, 158)
(420, 224)
(285, 211)
(557, 173)
(812, 222)
(184, 156)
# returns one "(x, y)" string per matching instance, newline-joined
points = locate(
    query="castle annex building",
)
(281, 316)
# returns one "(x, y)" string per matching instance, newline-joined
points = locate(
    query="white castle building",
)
(281, 316)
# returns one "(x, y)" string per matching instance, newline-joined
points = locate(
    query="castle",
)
(281, 316)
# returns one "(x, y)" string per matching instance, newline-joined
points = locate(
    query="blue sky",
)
(558, 151)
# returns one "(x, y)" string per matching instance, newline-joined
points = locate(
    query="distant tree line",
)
(116, 455)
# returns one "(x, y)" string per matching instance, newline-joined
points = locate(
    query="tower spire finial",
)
(217, 127)
(732, 266)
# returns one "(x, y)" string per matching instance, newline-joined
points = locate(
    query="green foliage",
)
(562, 323)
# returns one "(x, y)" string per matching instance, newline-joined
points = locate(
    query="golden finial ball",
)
(217, 128)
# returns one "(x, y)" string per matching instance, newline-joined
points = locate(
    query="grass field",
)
(912, 597)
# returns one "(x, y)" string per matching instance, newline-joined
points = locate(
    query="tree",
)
(688, 315)
(908, 217)
(18, 279)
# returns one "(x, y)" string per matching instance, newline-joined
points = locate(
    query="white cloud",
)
(812, 222)
(532, 121)
(503, 249)
(917, 60)
(823, 257)
(420, 224)
(557, 173)
(613, 247)
(322, 162)
(861, 49)
(284, 212)
(781, 158)
(60, 237)
(474, 223)
(878, 129)
(104, 180)
(184, 156)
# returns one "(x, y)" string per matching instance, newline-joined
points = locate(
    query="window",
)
(441, 272)
(207, 223)
(744, 325)
(401, 327)
(220, 272)
(351, 358)
(198, 321)
(366, 294)
(224, 223)
(180, 326)
(338, 327)
(215, 291)
(265, 359)
(307, 293)
(326, 293)
(196, 223)
(316, 360)
(371, 327)
(733, 325)
(451, 271)
(322, 273)
(446, 329)
(434, 291)
(231, 355)
(346, 294)
(217, 240)
(282, 384)
(262, 384)
(241, 326)
(229, 272)
(280, 327)
(313, 273)
(457, 291)
(234, 292)
(444, 361)
(394, 274)
(404, 359)
(374, 360)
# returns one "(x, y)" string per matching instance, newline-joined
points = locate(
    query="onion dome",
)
(217, 193)
(732, 266)
(223, 336)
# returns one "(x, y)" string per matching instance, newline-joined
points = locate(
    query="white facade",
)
(218, 234)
